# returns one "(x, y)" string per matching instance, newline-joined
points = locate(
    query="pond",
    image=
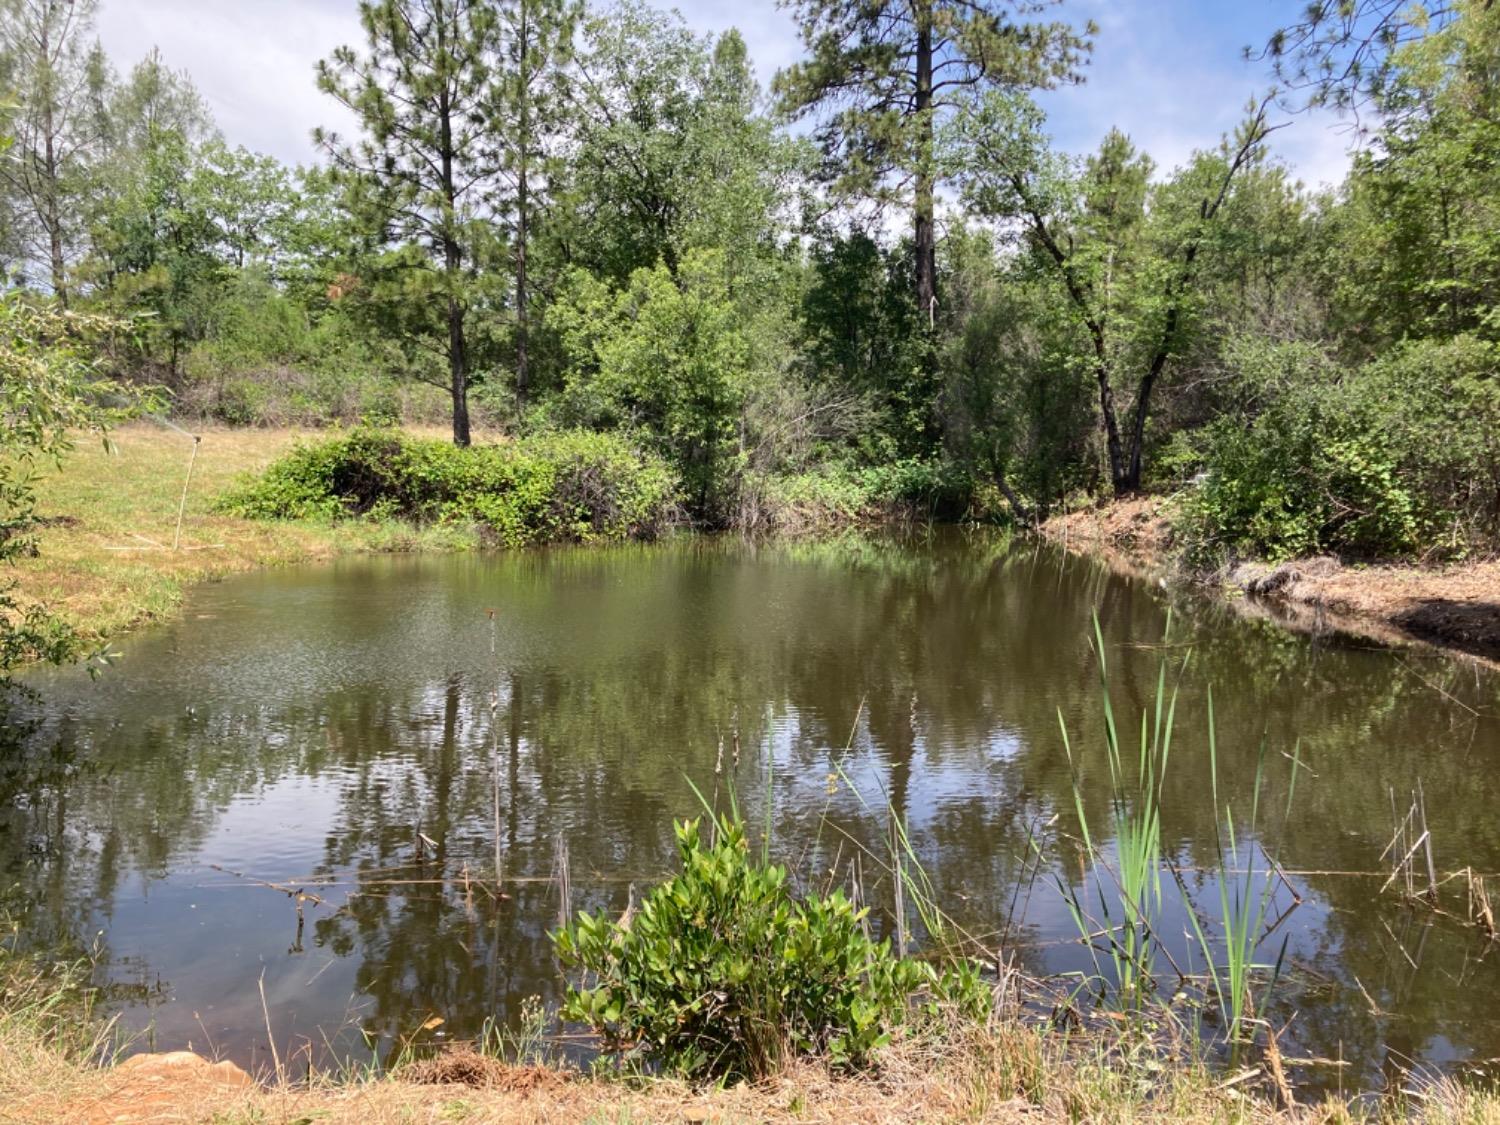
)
(375, 733)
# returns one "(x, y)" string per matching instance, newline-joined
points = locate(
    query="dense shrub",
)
(1396, 458)
(573, 485)
(723, 973)
(839, 495)
(266, 361)
(665, 356)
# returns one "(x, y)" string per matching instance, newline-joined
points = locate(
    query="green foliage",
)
(51, 386)
(860, 331)
(424, 183)
(1414, 250)
(1129, 893)
(265, 361)
(665, 358)
(572, 485)
(1396, 457)
(1016, 412)
(1122, 870)
(670, 154)
(1125, 257)
(870, 75)
(52, 72)
(589, 219)
(723, 973)
(834, 495)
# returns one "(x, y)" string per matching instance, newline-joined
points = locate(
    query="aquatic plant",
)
(1129, 891)
(1126, 876)
(1245, 896)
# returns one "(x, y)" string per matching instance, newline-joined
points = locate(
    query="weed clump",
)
(722, 973)
(572, 486)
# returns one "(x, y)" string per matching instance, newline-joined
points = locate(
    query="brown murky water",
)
(306, 729)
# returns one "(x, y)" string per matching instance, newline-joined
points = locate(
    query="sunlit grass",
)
(110, 516)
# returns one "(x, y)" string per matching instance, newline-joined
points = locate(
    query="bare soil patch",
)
(1454, 606)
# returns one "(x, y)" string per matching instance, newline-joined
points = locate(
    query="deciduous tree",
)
(59, 75)
(1125, 253)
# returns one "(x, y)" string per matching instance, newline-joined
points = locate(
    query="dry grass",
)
(51, 1073)
(1140, 527)
(968, 1085)
(102, 501)
(1003, 1076)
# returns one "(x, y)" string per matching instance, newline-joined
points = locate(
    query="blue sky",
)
(1169, 72)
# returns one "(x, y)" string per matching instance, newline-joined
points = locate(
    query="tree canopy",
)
(879, 286)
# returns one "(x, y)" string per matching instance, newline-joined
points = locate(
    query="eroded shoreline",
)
(1454, 607)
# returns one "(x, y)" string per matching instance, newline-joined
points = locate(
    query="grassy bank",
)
(1454, 605)
(109, 516)
(53, 1072)
(105, 561)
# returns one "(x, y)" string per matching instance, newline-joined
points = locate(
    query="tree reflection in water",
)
(313, 728)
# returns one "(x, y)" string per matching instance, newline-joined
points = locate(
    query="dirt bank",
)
(980, 1086)
(1456, 606)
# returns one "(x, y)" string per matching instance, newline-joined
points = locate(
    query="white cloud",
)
(252, 60)
(1173, 76)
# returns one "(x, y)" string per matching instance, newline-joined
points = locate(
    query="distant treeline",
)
(878, 277)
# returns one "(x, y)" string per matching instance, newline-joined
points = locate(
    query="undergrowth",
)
(570, 486)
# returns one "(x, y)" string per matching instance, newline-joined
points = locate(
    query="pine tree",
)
(424, 176)
(885, 70)
(528, 115)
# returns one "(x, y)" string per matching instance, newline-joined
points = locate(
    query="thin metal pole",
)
(182, 504)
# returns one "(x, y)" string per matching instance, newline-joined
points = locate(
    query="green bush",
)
(838, 495)
(666, 356)
(569, 486)
(1396, 458)
(829, 496)
(722, 973)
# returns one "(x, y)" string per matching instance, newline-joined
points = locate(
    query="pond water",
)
(367, 733)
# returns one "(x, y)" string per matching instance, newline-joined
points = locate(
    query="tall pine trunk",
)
(925, 232)
(523, 326)
(523, 99)
(458, 359)
(458, 372)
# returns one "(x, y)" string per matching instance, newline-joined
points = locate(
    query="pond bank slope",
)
(985, 1082)
(1454, 606)
(105, 561)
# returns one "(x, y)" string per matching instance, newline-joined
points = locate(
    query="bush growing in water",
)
(840, 494)
(573, 485)
(722, 972)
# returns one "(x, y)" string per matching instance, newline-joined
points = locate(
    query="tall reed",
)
(1129, 891)
(1245, 896)
(1125, 870)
